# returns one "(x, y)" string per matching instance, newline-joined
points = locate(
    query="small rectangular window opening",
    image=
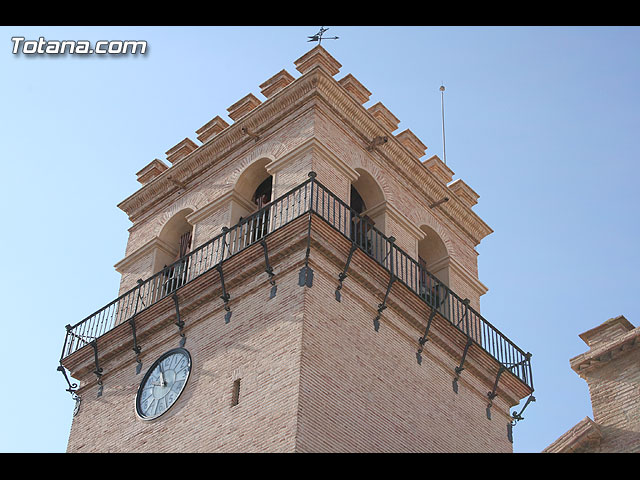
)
(235, 396)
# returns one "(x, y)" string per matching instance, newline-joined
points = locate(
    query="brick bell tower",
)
(297, 281)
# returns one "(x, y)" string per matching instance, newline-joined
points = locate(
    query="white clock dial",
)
(163, 383)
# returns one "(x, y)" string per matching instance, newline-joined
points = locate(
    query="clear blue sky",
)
(542, 122)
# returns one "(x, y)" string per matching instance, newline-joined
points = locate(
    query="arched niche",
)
(175, 240)
(252, 191)
(433, 254)
(367, 199)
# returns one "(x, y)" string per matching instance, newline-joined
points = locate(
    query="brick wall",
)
(611, 368)
(314, 374)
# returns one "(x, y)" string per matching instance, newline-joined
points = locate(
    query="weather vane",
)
(318, 36)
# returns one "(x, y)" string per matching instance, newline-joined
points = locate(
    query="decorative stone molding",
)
(606, 331)
(398, 217)
(585, 436)
(221, 201)
(276, 83)
(464, 192)
(151, 171)
(243, 106)
(211, 129)
(315, 57)
(316, 83)
(439, 169)
(181, 150)
(139, 202)
(355, 89)
(149, 248)
(457, 268)
(607, 341)
(412, 143)
(317, 148)
(384, 116)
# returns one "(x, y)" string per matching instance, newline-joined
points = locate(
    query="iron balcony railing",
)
(314, 198)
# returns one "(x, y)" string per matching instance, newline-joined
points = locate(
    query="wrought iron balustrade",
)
(430, 289)
(310, 197)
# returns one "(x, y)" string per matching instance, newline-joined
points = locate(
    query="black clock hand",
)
(164, 383)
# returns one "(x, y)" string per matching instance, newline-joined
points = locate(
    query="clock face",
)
(163, 383)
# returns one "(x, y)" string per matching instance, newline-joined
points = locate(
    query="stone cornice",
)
(457, 268)
(605, 331)
(583, 436)
(472, 281)
(222, 201)
(400, 158)
(313, 145)
(225, 142)
(606, 352)
(397, 217)
(314, 82)
(144, 250)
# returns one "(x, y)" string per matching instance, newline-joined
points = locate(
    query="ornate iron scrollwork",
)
(98, 370)
(382, 306)
(458, 370)
(305, 276)
(179, 321)
(392, 278)
(225, 296)
(343, 275)
(72, 390)
(423, 339)
(269, 269)
(136, 348)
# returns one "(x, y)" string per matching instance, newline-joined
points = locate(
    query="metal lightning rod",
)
(444, 150)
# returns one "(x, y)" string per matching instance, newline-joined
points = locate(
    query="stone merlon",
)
(151, 171)
(276, 83)
(181, 150)
(211, 129)
(606, 341)
(315, 57)
(436, 166)
(464, 192)
(355, 89)
(243, 106)
(384, 116)
(411, 142)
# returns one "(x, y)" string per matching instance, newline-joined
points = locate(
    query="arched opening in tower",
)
(367, 204)
(259, 227)
(262, 195)
(176, 237)
(433, 258)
